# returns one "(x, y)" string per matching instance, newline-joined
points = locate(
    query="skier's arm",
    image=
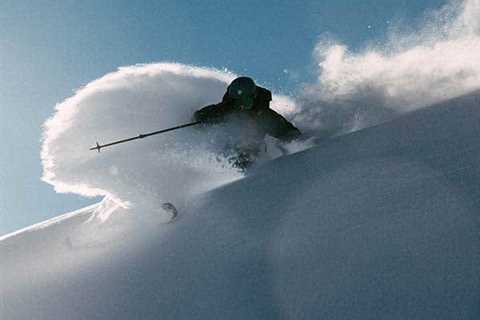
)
(278, 127)
(210, 114)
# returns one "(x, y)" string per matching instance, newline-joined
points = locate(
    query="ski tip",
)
(170, 208)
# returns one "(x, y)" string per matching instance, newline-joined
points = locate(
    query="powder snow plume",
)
(438, 61)
(133, 100)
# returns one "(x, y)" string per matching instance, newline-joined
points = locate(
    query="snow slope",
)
(382, 223)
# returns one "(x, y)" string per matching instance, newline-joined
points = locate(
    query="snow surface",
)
(378, 224)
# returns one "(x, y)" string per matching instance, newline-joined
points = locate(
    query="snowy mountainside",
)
(382, 223)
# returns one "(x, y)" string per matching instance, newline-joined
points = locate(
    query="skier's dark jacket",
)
(266, 120)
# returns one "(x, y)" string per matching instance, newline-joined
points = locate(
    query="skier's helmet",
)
(242, 91)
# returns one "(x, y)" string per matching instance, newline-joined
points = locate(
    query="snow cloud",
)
(133, 100)
(411, 70)
(353, 90)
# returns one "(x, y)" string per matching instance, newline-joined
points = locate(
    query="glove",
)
(207, 119)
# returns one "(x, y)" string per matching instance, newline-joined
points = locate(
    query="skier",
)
(247, 106)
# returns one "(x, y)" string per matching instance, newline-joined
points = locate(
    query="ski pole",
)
(98, 146)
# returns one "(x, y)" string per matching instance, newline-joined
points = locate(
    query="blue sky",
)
(50, 48)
